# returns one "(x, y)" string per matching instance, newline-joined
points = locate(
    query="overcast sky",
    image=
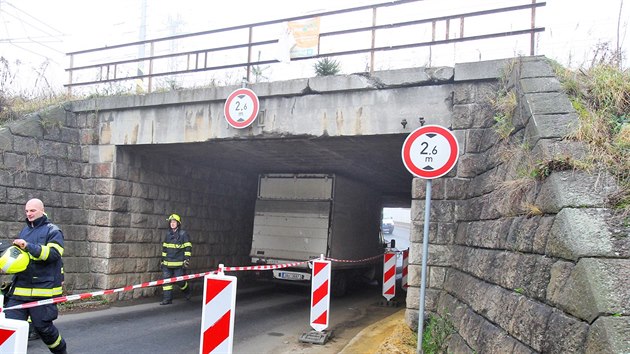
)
(34, 31)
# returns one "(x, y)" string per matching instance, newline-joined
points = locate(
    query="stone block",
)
(411, 318)
(549, 149)
(551, 126)
(472, 115)
(440, 255)
(534, 66)
(480, 140)
(6, 140)
(578, 233)
(284, 88)
(609, 335)
(539, 242)
(30, 126)
(575, 189)
(564, 334)
(340, 83)
(413, 76)
(548, 103)
(24, 144)
(481, 70)
(540, 84)
(529, 323)
(594, 287)
(456, 188)
(493, 339)
(457, 344)
(15, 162)
(436, 276)
(99, 265)
(470, 328)
(477, 92)
(521, 234)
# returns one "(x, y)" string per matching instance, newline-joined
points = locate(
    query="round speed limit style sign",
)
(430, 151)
(241, 108)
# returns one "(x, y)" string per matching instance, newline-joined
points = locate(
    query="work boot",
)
(166, 302)
(33, 335)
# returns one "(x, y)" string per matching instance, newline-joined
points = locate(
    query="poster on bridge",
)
(298, 39)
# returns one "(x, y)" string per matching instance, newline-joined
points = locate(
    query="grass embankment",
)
(601, 97)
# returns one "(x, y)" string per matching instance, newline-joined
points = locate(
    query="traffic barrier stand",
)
(217, 318)
(320, 303)
(13, 333)
(389, 279)
(405, 268)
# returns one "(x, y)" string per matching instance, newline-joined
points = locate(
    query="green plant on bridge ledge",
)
(327, 67)
(504, 104)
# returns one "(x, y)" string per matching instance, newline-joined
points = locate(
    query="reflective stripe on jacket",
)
(176, 248)
(42, 278)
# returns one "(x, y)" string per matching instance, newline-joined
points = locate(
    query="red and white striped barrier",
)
(320, 294)
(13, 333)
(405, 268)
(217, 318)
(389, 275)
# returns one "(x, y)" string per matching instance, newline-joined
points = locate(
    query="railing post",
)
(249, 51)
(373, 40)
(70, 75)
(150, 81)
(532, 39)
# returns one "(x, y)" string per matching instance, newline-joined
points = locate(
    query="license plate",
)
(290, 275)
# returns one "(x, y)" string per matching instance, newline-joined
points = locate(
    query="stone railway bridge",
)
(516, 264)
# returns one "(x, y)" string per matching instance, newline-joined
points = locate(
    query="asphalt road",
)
(268, 320)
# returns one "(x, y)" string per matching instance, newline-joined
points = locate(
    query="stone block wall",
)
(216, 207)
(518, 264)
(45, 156)
(112, 203)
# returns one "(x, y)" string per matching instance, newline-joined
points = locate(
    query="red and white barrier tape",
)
(60, 299)
(67, 298)
(354, 261)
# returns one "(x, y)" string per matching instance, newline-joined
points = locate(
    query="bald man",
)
(42, 278)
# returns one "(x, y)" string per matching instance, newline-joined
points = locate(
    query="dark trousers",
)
(42, 318)
(167, 289)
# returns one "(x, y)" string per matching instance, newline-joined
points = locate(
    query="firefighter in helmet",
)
(41, 277)
(176, 252)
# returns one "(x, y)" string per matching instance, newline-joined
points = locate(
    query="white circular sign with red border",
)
(241, 108)
(430, 151)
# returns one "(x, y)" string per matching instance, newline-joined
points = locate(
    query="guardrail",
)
(234, 48)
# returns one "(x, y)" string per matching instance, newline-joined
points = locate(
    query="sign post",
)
(429, 152)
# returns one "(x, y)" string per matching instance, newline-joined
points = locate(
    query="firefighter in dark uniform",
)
(43, 241)
(176, 252)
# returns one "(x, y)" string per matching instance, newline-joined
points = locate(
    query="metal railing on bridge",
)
(363, 34)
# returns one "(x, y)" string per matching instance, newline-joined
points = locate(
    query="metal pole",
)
(425, 254)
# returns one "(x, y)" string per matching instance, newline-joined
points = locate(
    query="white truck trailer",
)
(299, 217)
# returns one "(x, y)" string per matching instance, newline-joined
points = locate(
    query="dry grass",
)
(601, 97)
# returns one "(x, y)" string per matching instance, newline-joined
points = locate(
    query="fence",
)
(249, 51)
